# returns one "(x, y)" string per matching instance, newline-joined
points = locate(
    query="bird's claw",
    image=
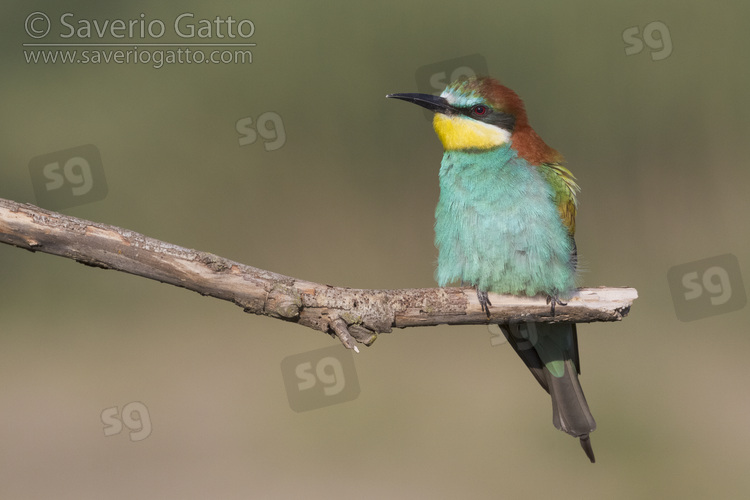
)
(484, 301)
(553, 299)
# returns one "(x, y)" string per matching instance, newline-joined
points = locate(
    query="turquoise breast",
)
(497, 226)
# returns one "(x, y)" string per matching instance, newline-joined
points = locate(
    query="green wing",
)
(564, 186)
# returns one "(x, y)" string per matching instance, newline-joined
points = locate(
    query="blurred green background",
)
(659, 148)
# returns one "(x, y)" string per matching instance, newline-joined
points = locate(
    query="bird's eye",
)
(479, 110)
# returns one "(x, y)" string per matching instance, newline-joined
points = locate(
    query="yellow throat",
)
(461, 132)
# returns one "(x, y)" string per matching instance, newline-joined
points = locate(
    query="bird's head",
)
(473, 113)
(479, 113)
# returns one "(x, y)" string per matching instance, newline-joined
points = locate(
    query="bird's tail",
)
(550, 351)
(570, 412)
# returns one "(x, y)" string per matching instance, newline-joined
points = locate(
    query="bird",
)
(505, 223)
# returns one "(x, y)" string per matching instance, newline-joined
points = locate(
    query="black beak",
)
(431, 102)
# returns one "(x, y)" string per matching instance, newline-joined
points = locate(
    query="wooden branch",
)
(346, 313)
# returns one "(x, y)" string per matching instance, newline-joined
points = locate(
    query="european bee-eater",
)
(505, 222)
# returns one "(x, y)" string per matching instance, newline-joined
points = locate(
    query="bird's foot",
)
(553, 299)
(484, 301)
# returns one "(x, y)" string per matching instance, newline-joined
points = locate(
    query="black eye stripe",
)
(493, 117)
